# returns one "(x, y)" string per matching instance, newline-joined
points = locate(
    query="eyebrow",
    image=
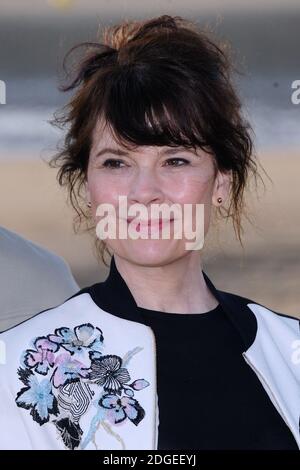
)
(120, 152)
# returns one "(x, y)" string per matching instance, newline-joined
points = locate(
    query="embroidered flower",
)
(43, 357)
(37, 397)
(121, 408)
(107, 371)
(62, 383)
(83, 336)
(68, 370)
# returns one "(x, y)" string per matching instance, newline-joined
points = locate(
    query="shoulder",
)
(237, 299)
(265, 315)
(32, 335)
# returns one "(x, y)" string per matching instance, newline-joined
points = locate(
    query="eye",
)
(177, 162)
(112, 163)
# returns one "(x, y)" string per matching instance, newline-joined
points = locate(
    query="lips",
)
(152, 223)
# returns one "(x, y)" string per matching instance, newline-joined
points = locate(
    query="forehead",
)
(103, 138)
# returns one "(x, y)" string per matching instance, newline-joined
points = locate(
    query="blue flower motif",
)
(82, 337)
(37, 397)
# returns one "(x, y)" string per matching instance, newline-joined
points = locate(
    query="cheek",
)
(103, 189)
(194, 189)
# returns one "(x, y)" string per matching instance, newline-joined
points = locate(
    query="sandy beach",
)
(267, 270)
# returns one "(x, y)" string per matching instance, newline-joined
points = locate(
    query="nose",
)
(146, 188)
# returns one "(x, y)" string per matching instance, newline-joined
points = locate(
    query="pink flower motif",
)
(68, 370)
(43, 357)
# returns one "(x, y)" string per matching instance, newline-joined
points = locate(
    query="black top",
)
(209, 397)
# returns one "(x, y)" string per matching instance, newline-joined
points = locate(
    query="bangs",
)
(142, 106)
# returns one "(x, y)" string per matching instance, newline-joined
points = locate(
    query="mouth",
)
(157, 224)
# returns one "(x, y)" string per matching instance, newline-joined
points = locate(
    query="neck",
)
(177, 287)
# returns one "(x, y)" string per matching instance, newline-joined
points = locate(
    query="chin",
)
(150, 252)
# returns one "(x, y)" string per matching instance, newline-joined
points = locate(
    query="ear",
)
(222, 186)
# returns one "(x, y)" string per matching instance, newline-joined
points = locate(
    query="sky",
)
(80, 7)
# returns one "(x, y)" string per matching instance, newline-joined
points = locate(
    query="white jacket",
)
(83, 375)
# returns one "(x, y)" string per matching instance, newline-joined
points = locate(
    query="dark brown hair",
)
(156, 82)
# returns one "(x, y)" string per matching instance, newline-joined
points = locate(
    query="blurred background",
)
(265, 36)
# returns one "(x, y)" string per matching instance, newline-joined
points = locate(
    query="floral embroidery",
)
(37, 397)
(43, 357)
(68, 370)
(83, 336)
(122, 408)
(107, 371)
(65, 372)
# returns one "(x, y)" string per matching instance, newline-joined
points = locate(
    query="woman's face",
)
(150, 176)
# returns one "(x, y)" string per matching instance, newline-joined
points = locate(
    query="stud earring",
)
(89, 204)
(219, 200)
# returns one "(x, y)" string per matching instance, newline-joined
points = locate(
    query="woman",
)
(154, 357)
